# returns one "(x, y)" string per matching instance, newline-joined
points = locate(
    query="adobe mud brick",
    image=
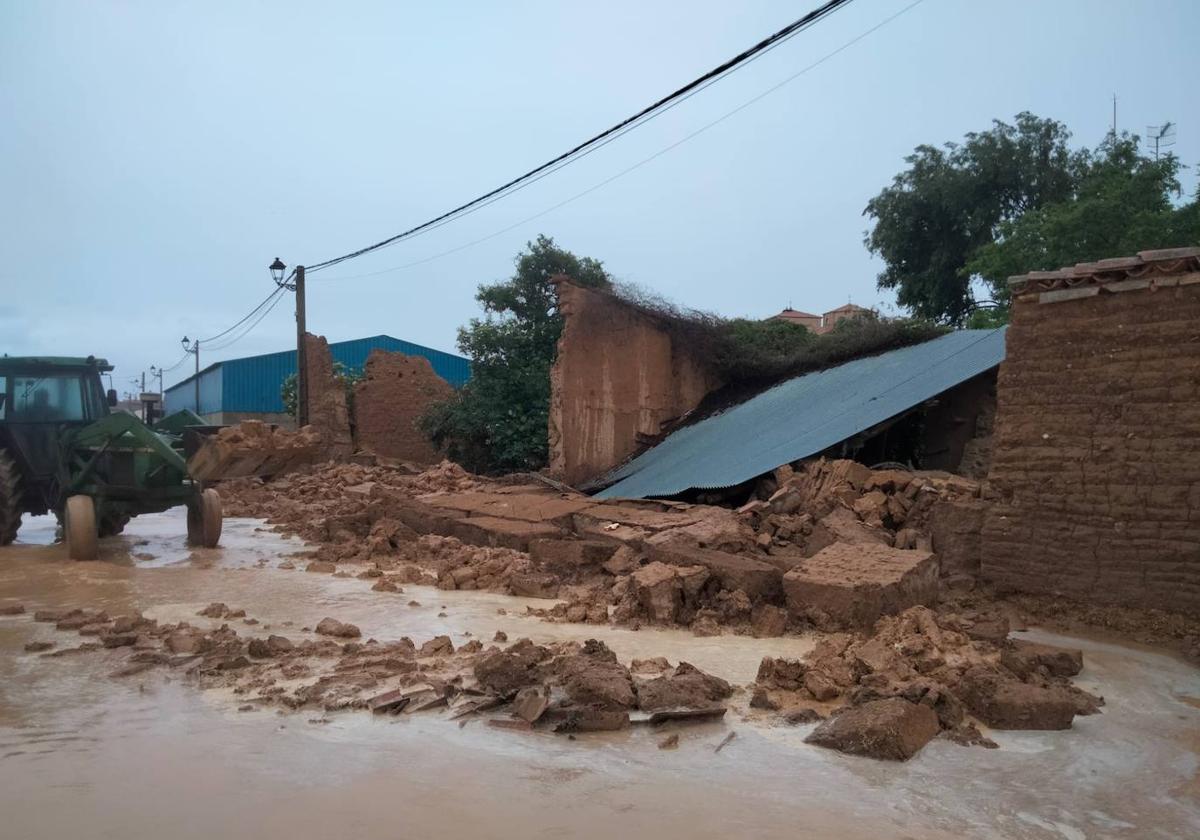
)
(618, 375)
(529, 507)
(326, 399)
(761, 581)
(955, 526)
(892, 729)
(1098, 440)
(395, 392)
(489, 531)
(856, 584)
(568, 558)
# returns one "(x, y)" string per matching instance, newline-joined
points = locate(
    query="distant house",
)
(821, 323)
(804, 319)
(249, 388)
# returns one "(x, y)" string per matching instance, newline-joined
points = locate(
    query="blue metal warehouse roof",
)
(806, 415)
(253, 383)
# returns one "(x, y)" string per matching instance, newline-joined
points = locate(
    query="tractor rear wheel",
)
(204, 520)
(79, 528)
(10, 498)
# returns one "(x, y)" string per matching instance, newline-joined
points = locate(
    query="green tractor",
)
(63, 451)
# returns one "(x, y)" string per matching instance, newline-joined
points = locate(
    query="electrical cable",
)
(639, 118)
(278, 295)
(448, 218)
(182, 359)
(640, 163)
(247, 317)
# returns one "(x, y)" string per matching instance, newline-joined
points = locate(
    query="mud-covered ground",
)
(158, 753)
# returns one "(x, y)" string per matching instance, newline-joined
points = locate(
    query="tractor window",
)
(38, 399)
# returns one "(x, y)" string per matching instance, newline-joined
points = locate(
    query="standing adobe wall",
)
(1097, 454)
(619, 374)
(326, 399)
(395, 391)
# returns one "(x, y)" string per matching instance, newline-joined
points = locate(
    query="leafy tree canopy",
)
(951, 200)
(498, 421)
(1014, 199)
(1121, 205)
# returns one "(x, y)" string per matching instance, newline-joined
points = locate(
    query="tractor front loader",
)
(62, 451)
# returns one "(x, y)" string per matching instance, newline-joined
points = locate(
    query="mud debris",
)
(566, 687)
(928, 661)
(332, 627)
(777, 565)
(892, 728)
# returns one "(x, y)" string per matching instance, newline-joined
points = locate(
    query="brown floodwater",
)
(84, 755)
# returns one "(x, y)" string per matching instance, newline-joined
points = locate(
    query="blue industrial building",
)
(249, 388)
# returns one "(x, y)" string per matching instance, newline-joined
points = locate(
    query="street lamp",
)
(193, 347)
(277, 269)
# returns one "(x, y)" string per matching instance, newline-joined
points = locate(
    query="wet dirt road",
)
(152, 756)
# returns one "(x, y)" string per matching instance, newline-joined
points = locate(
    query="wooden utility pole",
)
(301, 360)
(197, 378)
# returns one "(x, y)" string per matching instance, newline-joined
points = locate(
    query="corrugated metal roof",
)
(806, 415)
(252, 384)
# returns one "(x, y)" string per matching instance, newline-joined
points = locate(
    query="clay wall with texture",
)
(326, 399)
(1096, 461)
(388, 403)
(619, 375)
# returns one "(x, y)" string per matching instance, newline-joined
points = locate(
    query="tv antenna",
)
(1162, 136)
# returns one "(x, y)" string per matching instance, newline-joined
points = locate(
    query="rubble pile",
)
(948, 673)
(822, 502)
(253, 447)
(830, 544)
(329, 503)
(564, 686)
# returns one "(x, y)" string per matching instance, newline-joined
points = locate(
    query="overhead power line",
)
(624, 125)
(182, 359)
(278, 295)
(640, 163)
(245, 318)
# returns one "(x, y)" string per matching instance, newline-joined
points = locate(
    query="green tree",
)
(498, 421)
(1122, 204)
(953, 200)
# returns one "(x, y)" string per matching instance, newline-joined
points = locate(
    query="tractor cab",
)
(53, 390)
(63, 451)
(39, 397)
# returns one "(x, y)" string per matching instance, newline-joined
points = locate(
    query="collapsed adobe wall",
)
(618, 375)
(326, 399)
(394, 393)
(1097, 452)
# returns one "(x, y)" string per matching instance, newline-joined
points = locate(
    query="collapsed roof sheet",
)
(806, 415)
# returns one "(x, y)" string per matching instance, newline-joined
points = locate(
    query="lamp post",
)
(194, 348)
(277, 269)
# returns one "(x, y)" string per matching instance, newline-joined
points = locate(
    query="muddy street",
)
(79, 748)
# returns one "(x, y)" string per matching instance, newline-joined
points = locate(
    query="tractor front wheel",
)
(79, 528)
(204, 520)
(10, 498)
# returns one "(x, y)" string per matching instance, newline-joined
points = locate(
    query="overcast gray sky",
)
(155, 156)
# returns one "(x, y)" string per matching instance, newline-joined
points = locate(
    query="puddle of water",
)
(82, 754)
